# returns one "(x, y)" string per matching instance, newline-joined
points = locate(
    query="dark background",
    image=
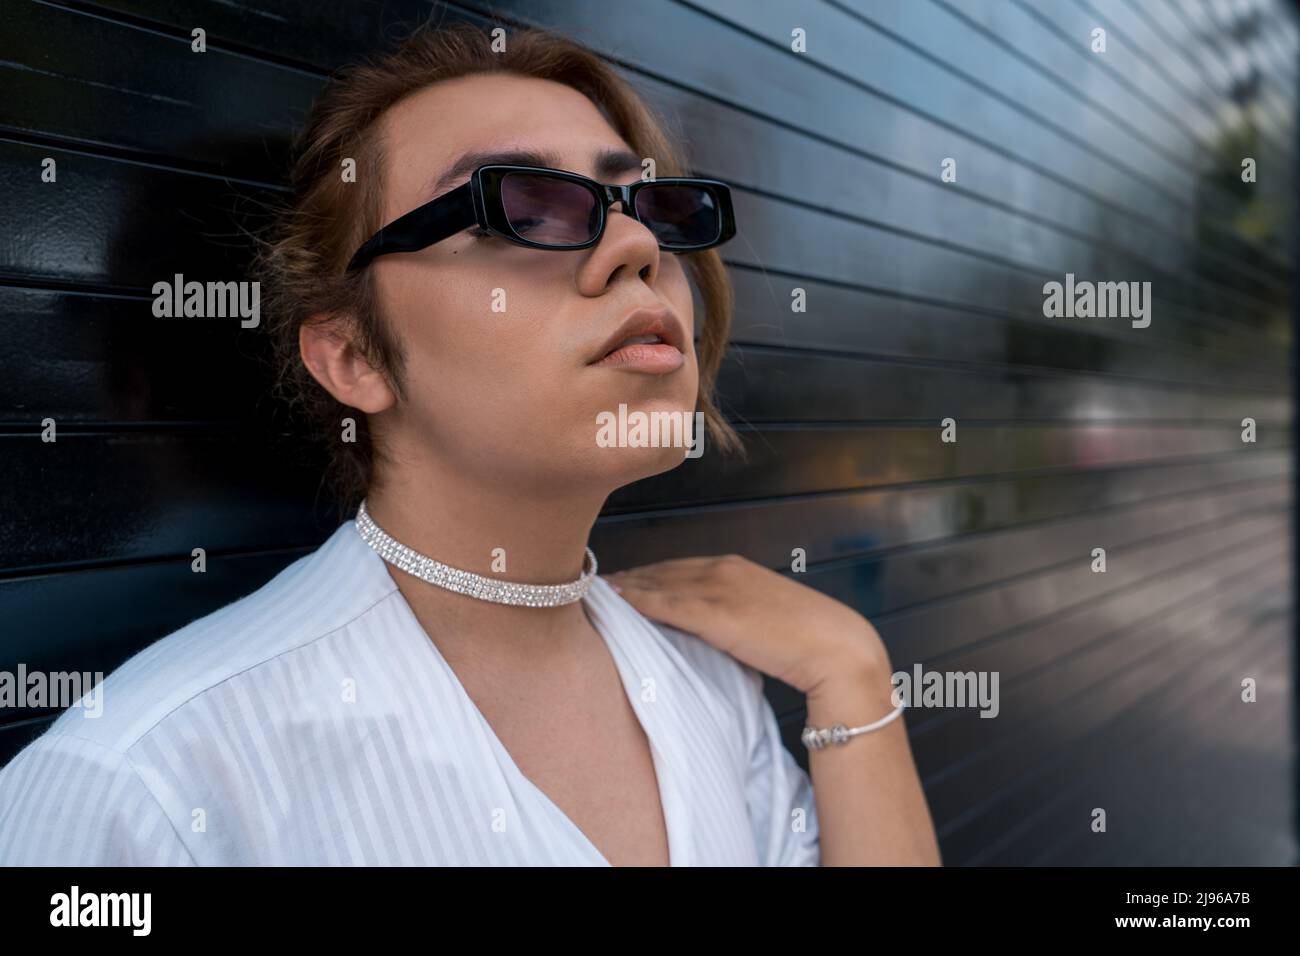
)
(1118, 690)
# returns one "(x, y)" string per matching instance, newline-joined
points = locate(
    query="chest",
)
(579, 741)
(502, 772)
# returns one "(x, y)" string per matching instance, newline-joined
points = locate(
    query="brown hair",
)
(301, 265)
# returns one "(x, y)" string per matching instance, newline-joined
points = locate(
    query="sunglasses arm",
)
(421, 227)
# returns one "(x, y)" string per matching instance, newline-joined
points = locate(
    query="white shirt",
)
(313, 722)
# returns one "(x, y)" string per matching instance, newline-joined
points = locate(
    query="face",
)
(499, 338)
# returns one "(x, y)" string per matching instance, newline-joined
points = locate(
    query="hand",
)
(775, 625)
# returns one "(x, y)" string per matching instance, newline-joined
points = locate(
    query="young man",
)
(446, 680)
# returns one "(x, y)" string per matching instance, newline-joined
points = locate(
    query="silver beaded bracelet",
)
(815, 739)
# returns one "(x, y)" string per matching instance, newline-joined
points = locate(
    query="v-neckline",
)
(663, 773)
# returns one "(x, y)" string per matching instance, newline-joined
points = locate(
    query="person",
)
(473, 266)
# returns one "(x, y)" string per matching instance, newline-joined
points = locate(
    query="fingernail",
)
(616, 587)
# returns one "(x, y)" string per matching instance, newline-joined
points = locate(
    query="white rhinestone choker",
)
(466, 582)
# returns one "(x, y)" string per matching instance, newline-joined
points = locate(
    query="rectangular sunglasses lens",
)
(680, 214)
(549, 210)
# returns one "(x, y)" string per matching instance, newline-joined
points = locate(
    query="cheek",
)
(481, 352)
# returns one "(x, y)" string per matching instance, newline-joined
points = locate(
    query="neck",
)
(462, 522)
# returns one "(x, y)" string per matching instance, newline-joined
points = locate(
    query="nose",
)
(628, 248)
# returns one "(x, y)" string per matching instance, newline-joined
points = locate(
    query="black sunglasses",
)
(554, 209)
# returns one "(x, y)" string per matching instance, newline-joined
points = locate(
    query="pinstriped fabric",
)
(46, 821)
(314, 722)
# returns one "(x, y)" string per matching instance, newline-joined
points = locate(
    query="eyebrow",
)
(608, 164)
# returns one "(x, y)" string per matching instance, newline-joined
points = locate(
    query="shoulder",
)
(732, 687)
(738, 686)
(733, 679)
(313, 597)
(68, 801)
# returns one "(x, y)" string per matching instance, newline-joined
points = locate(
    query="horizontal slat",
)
(1084, 696)
(1051, 772)
(853, 320)
(117, 226)
(1118, 85)
(767, 385)
(1003, 620)
(209, 109)
(1147, 806)
(295, 32)
(1139, 786)
(937, 605)
(1186, 72)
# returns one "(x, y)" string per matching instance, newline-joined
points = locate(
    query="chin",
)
(627, 465)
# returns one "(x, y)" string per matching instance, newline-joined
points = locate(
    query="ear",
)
(330, 356)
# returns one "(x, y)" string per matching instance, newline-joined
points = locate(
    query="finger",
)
(672, 572)
(653, 602)
(682, 610)
(673, 565)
